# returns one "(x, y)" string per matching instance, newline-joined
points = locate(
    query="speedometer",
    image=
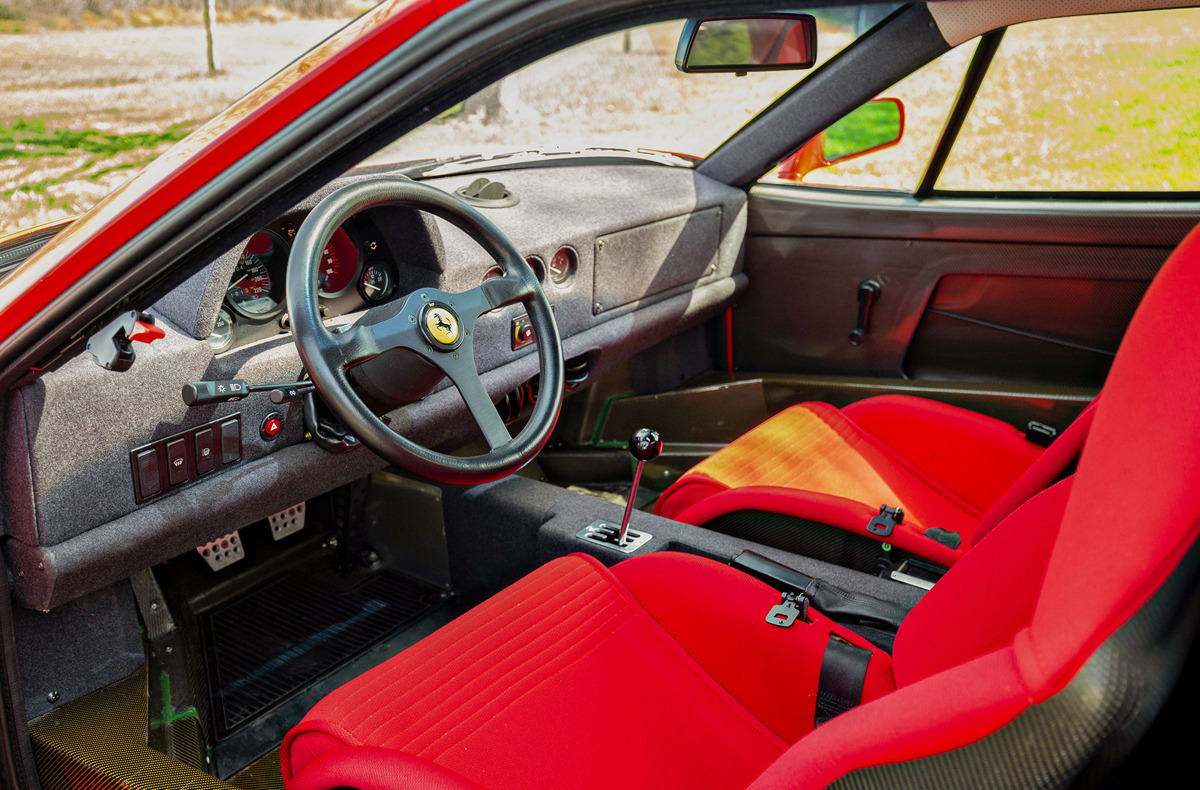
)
(339, 264)
(257, 282)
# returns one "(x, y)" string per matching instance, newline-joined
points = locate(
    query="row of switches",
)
(175, 460)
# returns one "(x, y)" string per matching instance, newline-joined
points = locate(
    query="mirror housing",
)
(874, 126)
(772, 42)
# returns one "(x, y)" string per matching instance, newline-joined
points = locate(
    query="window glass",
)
(620, 91)
(926, 96)
(1100, 103)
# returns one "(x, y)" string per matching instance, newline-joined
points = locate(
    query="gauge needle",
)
(238, 280)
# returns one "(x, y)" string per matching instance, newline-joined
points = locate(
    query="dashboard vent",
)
(487, 194)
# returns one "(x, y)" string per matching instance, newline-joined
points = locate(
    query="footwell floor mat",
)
(269, 644)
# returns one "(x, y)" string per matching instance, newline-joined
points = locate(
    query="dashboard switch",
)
(271, 426)
(206, 455)
(146, 463)
(522, 332)
(231, 441)
(177, 472)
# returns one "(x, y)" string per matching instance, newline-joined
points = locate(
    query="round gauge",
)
(339, 263)
(493, 273)
(256, 288)
(376, 282)
(223, 332)
(539, 270)
(562, 265)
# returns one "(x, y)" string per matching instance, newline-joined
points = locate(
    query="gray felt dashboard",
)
(659, 251)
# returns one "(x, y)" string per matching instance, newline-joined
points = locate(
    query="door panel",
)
(1070, 271)
(1054, 330)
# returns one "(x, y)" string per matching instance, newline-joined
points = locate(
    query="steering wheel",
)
(438, 326)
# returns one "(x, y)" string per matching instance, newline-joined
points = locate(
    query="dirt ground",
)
(122, 81)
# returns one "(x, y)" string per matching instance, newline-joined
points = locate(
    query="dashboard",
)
(628, 254)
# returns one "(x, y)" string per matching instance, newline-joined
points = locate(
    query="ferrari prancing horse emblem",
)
(441, 326)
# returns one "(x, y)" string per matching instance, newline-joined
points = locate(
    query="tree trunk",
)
(210, 17)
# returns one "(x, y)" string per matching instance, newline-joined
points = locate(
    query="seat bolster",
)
(946, 711)
(692, 488)
(375, 768)
(972, 455)
(835, 511)
(772, 671)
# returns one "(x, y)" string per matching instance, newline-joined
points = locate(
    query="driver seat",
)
(1039, 659)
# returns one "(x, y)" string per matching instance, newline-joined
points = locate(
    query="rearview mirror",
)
(874, 126)
(777, 42)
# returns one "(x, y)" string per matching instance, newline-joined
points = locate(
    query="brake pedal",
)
(287, 522)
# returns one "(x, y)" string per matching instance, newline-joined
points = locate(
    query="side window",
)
(868, 148)
(1102, 103)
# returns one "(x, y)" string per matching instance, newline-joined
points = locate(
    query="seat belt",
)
(840, 686)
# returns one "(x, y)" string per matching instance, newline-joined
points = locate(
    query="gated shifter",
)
(645, 445)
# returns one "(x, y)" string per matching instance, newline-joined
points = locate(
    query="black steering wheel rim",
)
(327, 355)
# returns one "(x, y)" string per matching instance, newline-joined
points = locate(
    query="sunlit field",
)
(1063, 107)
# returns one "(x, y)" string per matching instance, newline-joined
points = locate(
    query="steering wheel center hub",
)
(440, 326)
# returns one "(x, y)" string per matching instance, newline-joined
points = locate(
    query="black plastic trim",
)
(977, 70)
(17, 769)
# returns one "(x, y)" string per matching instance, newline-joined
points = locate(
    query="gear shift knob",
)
(645, 444)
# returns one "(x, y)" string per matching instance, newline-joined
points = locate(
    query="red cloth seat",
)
(634, 651)
(946, 467)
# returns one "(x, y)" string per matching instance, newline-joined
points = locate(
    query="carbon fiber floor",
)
(263, 647)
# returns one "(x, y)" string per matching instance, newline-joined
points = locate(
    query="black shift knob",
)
(645, 444)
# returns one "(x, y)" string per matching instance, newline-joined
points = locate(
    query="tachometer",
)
(339, 264)
(255, 289)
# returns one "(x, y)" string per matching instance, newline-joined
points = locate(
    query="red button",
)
(271, 426)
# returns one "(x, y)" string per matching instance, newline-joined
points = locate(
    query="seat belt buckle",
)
(794, 606)
(886, 522)
(1040, 433)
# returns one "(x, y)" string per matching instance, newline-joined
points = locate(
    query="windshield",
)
(619, 91)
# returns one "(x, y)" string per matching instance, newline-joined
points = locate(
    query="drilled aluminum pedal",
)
(605, 533)
(223, 551)
(287, 522)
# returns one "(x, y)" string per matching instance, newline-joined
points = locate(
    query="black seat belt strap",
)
(839, 688)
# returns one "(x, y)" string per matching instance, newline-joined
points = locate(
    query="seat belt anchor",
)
(794, 606)
(886, 522)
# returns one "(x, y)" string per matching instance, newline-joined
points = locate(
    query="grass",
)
(1053, 115)
(30, 139)
(58, 156)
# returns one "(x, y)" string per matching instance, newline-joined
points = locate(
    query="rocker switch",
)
(206, 451)
(147, 472)
(231, 441)
(177, 462)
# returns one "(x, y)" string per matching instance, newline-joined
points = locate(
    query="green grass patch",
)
(1135, 127)
(30, 139)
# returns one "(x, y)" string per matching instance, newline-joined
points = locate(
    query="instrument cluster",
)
(355, 273)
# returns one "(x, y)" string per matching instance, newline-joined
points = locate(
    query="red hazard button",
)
(271, 426)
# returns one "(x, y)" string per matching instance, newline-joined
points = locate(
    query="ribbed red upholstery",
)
(946, 467)
(565, 680)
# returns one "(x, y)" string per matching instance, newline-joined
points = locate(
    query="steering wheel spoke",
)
(466, 378)
(492, 294)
